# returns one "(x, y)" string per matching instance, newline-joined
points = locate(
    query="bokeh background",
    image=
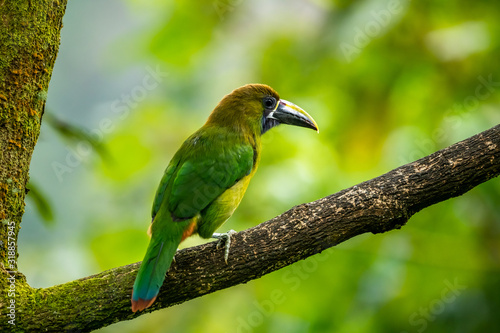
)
(387, 81)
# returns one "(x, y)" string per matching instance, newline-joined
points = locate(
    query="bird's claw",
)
(173, 258)
(224, 238)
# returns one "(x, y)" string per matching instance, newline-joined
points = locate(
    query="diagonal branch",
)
(378, 205)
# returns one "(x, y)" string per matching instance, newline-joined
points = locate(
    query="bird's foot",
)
(224, 238)
(173, 258)
(173, 261)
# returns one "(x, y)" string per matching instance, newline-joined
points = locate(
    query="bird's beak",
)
(289, 113)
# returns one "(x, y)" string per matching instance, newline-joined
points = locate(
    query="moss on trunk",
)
(29, 39)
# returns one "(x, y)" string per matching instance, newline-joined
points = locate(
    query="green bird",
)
(208, 176)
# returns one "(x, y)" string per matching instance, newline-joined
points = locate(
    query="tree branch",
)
(378, 205)
(29, 39)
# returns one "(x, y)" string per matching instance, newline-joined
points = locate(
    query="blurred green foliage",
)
(41, 204)
(388, 82)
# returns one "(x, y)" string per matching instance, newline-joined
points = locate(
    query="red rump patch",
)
(189, 230)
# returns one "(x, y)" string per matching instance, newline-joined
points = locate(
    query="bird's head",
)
(258, 108)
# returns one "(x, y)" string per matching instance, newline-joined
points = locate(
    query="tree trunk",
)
(29, 34)
(29, 39)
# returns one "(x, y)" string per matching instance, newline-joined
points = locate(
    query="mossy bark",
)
(378, 205)
(29, 42)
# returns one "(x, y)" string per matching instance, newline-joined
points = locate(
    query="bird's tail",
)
(159, 256)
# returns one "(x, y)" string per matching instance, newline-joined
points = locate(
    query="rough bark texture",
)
(378, 205)
(29, 41)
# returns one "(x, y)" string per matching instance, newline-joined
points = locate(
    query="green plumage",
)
(159, 256)
(208, 176)
(208, 163)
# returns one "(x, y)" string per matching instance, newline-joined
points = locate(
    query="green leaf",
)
(75, 135)
(42, 205)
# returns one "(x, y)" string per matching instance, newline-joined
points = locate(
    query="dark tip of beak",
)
(291, 114)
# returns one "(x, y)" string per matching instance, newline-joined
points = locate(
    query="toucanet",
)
(208, 176)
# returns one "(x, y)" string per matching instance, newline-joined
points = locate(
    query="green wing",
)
(160, 192)
(203, 168)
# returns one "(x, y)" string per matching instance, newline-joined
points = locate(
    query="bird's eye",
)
(269, 102)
